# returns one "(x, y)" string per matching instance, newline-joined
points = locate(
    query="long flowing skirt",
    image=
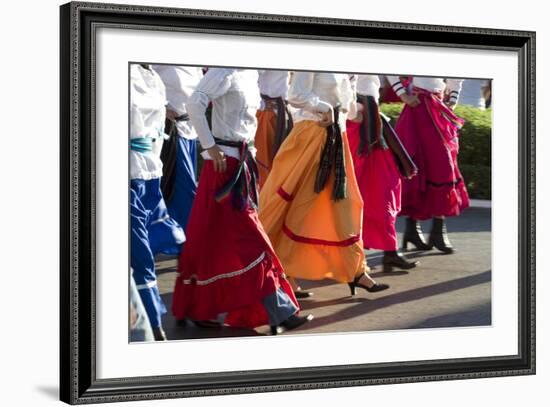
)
(429, 134)
(379, 181)
(228, 265)
(152, 232)
(314, 236)
(185, 181)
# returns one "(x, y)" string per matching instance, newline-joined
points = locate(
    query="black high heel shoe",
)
(159, 334)
(439, 238)
(396, 259)
(300, 295)
(292, 322)
(413, 234)
(375, 288)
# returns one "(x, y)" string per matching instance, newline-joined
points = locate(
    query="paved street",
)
(443, 291)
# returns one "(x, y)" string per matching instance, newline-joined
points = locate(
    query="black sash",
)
(243, 184)
(332, 156)
(370, 131)
(406, 165)
(168, 156)
(284, 122)
(377, 132)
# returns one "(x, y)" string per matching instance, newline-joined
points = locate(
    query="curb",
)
(480, 203)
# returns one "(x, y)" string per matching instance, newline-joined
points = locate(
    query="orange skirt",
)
(264, 140)
(314, 237)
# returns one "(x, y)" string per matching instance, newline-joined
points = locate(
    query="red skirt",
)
(429, 132)
(379, 181)
(228, 264)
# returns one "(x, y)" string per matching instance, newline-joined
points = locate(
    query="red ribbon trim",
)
(309, 240)
(285, 195)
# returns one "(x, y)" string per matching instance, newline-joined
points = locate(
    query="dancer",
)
(375, 147)
(310, 205)
(429, 129)
(228, 265)
(274, 119)
(152, 229)
(179, 153)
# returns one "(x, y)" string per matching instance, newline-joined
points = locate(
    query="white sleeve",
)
(301, 95)
(137, 125)
(189, 85)
(180, 82)
(214, 84)
(396, 85)
(141, 98)
(454, 86)
(162, 113)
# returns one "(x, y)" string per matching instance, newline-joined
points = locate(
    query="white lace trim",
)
(193, 278)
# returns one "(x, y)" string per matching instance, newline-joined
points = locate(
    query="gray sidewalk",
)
(443, 291)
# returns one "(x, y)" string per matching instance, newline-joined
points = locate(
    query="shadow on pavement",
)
(397, 298)
(306, 305)
(191, 331)
(475, 316)
(392, 274)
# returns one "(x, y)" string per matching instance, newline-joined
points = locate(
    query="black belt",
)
(243, 185)
(182, 118)
(370, 131)
(284, 122)
(376, 132)
(332, 156)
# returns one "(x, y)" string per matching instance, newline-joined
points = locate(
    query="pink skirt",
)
(429, 132)
(379, 182)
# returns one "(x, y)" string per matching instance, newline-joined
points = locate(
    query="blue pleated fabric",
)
(152, 231)
(185, 187)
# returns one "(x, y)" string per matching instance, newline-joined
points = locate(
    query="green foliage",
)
(475, 146)
(478, 180)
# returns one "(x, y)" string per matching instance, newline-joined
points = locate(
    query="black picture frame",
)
(78, 382)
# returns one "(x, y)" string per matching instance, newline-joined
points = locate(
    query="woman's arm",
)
(214, 84)
(454, 86)
(301, 95)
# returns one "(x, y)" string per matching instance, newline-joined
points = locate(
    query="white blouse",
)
(368, 85)
(312, 93)
(180, 83)
(147, 115)
(274, 83)
(235, 99)
(435, 85)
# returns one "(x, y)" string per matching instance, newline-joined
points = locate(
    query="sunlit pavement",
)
(443, 291)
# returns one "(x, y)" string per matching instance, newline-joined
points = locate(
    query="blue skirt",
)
(185, 183)
(152, 231)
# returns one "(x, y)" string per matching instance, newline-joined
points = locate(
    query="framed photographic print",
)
(255, 203)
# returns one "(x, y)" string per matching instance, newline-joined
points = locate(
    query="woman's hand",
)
(326, 119)
(171, 115)
(218, 156)
(451, 104)
(410, 174)
(411, 100)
